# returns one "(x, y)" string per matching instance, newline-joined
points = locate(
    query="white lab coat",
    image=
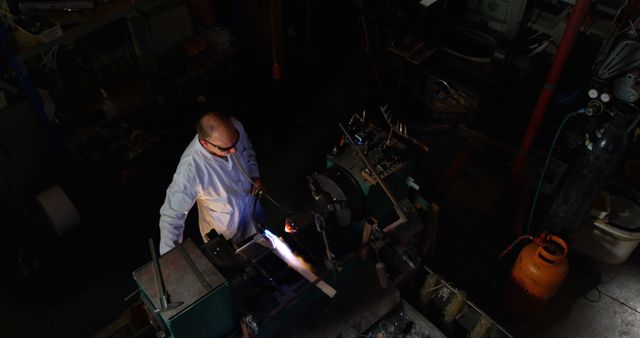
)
(222, 192)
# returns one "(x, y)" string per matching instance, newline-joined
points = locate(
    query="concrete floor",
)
(608, 309)
(596, 299)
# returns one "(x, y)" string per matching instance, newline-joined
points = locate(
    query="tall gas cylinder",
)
(591, 170)
(537, 275)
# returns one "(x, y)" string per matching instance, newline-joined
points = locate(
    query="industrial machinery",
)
(191, 298)
(333, 269)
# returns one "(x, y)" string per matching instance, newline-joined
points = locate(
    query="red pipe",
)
(574, 23)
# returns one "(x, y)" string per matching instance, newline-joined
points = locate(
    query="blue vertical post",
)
(34, 99)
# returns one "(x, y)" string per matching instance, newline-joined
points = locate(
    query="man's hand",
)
(248, 327)
(257, 187)
(245, 329)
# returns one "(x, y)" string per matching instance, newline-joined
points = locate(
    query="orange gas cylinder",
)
(537, 274)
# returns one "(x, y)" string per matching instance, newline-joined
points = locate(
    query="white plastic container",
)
(605, 241)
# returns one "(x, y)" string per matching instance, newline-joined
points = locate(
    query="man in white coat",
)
(218, 171)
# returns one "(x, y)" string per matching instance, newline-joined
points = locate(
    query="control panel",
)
(385, 153)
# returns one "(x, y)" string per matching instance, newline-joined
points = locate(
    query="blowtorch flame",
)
(282, 250)
(285, 252)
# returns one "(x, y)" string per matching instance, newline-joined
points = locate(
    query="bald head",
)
(216, 131)
(212, 122)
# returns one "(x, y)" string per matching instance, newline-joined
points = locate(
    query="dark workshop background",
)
(105, 111)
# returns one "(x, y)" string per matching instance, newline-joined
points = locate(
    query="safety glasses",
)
(226, 149)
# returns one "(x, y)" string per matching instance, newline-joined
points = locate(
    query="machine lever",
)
(164, 296)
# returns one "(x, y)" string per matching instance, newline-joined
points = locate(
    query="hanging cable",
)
(244, 173)
(514, 244)
(544, 169)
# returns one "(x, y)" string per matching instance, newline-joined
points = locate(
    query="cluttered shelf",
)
(68, 25)
(187, 69)
(99, 118)
(99, 112)
(113, 69)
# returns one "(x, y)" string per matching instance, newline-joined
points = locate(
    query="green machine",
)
(366, 186)
(185, 294)
(388, 160)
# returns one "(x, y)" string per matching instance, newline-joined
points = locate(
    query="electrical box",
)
(168, 26)
(503, 16)
(195, 310)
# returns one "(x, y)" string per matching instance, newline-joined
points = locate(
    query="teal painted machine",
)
(269, 296)
(200, 301)
(392, 161)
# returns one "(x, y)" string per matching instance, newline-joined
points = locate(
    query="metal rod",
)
(402, 218)
(330, 257)
(320, 226)
(404, 134)
(156, 267)
(327, 248)
(192, 266)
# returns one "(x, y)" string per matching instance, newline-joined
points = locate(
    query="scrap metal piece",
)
(482, 328)
(456, 306)
(431, 284)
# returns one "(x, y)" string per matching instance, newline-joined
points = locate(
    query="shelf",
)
(201, 65)
(102, 15)
(127, 99)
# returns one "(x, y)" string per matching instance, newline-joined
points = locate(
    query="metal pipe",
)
(574, 23)
(402, 218)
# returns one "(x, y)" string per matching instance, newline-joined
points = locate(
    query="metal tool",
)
(191, 317)
(331, 258)
(165, 300)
